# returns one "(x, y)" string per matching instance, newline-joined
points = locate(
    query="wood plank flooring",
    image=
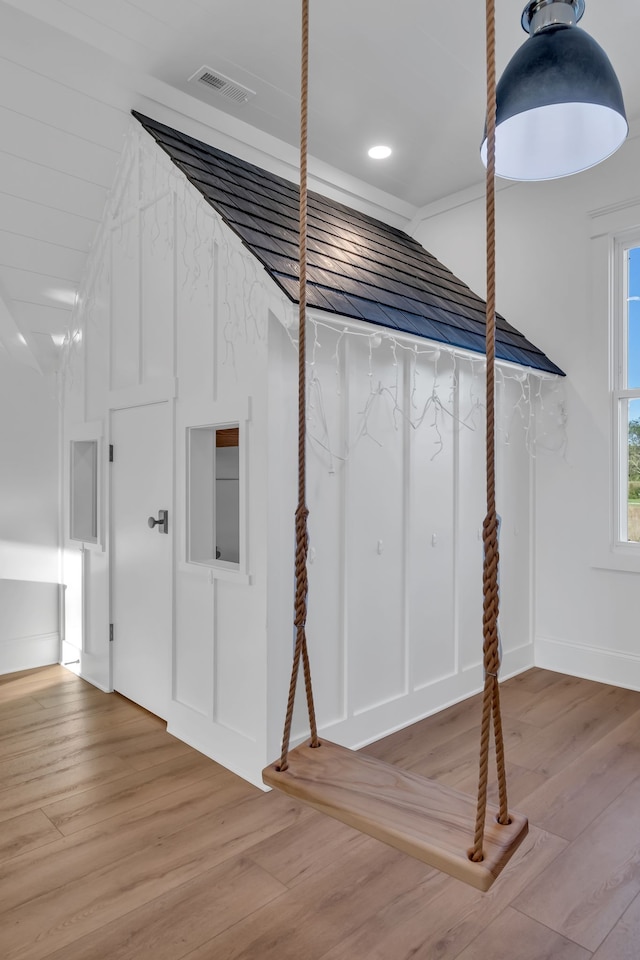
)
(117, 841)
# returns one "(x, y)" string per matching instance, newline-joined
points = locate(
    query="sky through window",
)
(633, 294)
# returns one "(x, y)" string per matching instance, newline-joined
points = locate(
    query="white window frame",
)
(620, 391)
(209, 481)
(219, 569)
(86, 432)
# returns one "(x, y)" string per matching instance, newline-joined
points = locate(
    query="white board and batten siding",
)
(396, 510)
(176, 311)
(159, 327)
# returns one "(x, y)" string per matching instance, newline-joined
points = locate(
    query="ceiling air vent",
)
(222, 85)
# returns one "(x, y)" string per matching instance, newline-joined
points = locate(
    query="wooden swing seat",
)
(425, 819)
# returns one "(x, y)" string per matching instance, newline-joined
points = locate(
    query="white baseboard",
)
(592, 663)
(387, 718)
(95, 669)
(516, 661)
(239, 754)
(26, 653)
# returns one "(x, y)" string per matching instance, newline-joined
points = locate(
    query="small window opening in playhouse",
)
(214, 494)
(84, 491)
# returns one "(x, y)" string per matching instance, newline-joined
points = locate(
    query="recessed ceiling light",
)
(380, 152)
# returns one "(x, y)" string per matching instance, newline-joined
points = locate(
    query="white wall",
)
(28, 473)
(554, 245)
(29, 573)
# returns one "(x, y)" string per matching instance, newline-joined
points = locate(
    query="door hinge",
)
(110, 633)
(110, 453)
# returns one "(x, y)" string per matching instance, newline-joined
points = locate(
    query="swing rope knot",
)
(301, 574)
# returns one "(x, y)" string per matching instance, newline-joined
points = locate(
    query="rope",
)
(302, 534)
(491, 693)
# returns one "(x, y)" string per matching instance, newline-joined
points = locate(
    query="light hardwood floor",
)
(118, 841)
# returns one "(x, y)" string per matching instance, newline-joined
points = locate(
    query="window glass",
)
(214, 494)
(633, 470)
(633, 318)
(84, 491)
(626, 391)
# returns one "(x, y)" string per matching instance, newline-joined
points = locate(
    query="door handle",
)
(162, 523)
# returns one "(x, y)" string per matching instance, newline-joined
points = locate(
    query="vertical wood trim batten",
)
(84, 598)
(347, 701)
(175, 546)
(173, 201)
(407, 490)
(455, 571)
(532, 532)
(214, 659)
(139, 221)
(62, 620)
(215, 319)
(245, 487)
(109, 529)
(85, 366)
(63, 499)
(110, 335)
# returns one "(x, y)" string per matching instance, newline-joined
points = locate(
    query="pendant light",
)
(559, 102)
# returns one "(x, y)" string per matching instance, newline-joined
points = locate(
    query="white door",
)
(141, 556)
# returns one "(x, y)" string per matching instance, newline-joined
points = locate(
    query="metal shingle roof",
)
(357, 266)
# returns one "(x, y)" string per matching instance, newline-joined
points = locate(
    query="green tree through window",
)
(631, 386)
(634, 455)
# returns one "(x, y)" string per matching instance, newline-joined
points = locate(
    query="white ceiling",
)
(409, 73)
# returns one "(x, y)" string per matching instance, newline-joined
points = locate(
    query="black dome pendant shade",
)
(559, 103)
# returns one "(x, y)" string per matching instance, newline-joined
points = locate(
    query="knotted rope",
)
(302, 512)
(491, 695)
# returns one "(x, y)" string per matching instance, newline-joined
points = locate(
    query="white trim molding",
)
(616, 667)
(27, 653)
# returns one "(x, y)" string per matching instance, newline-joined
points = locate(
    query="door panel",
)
(141, 564)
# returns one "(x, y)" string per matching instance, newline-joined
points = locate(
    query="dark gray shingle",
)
(358, 266)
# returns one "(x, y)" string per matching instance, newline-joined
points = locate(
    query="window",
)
(214, 495)
(84, 491)
(626, 384)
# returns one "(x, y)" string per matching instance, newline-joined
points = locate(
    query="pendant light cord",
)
(491, 693)
(302, 512)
